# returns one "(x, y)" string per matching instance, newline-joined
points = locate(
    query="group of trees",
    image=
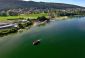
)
(70, 13)
(42, 18)
(8, 13)
(7, 31)
(22, 25)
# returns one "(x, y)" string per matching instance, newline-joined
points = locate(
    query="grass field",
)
(33, 16)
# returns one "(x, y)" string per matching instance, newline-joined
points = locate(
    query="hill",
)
(32, 4)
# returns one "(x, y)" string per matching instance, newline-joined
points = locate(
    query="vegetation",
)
(7, 31)
(42, 18)
(21, 25)
(31, 16)
(70, 13)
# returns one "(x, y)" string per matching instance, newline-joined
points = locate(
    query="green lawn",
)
(33, 16)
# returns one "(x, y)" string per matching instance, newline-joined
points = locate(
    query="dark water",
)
(59, 39)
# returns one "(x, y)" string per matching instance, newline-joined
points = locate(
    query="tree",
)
(43, 18)
(11, 13)
(3, 13)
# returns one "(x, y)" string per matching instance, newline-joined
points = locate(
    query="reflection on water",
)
(59, 39)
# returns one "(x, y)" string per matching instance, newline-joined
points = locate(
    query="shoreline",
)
(24, 24)
(13, 27)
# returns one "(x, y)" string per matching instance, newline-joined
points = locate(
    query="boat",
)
(36, 42)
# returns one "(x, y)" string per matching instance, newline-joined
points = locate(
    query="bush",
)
(43, 18)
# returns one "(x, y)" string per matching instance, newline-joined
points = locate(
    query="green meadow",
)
(31, 16)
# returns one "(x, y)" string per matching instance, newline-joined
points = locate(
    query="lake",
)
(59, 39)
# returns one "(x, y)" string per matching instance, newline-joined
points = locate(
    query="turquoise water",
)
(59, 39)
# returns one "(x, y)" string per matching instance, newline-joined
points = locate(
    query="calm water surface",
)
(59, 39)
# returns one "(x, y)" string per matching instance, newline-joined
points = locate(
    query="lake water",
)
(59, 39)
